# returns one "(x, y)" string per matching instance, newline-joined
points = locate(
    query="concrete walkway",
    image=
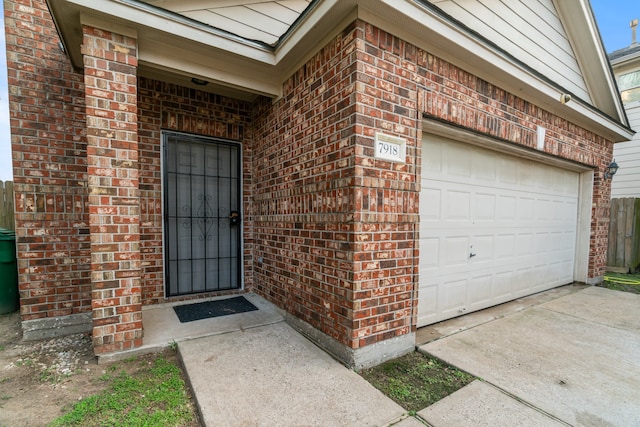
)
(572, 358)
(273, 376)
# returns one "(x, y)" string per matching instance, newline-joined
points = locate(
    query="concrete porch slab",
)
(273, 376)
(162, 326)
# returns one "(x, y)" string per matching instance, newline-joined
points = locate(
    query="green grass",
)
(25, 362)
(416, 381)
(622, 282)
(154, 396)
(3, 399)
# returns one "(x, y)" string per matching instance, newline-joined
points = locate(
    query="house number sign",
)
(390, 147)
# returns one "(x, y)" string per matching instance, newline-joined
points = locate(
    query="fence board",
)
(623, 252)
(620, 234)
(620, 222)
(629, 208)
(613, 230)
(7, 214)
(636, 234)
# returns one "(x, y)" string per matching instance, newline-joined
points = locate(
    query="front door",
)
(202, 221)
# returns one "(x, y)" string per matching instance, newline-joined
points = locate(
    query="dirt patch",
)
(416, 381)
(40, 380)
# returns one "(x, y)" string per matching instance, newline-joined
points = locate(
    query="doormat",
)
(205, 310)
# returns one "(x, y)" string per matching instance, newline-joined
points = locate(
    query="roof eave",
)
(579, 21)
(426, 26)
(261, 69)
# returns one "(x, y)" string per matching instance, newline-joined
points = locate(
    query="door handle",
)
(234, 217)
(471, 255)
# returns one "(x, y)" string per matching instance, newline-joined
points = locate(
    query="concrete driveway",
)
(574, 360)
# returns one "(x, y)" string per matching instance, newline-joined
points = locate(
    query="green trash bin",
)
(9, 301)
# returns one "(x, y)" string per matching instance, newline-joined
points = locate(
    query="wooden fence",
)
(623, 253)
(7, 218)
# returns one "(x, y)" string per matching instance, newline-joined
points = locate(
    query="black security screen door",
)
(202, 214)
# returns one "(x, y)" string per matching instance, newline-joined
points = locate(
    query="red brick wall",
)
(46, 99)
(48, 126)
(110, 76)
(304, 198)
(387, 193)
(335, 227)
(329, 231)
(167, 106)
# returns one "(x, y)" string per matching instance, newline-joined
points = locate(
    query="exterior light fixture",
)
(611, 169)
(199, 82)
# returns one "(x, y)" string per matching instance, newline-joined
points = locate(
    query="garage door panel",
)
(507, 207)
(524, 244)
(505, 246)
(457, 161)
(482, 248)
(542, 242)
(518, 216)
(569, 241)
(456, 251)
(480, 291)
(570, 211)
(543, 176)
(507, 174)
(458, 205)
(542, 209)
(431, 247)
(485, 168)
(526, 174)
(526, 208)
(430, 205)
(501, 286)
(432, 160)
(428, 302)
(484, 206)
(453, 298)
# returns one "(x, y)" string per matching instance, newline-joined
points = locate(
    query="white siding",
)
(259, 20)
(626, 183)
(530, 30)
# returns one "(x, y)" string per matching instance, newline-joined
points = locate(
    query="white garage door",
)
(493, 227)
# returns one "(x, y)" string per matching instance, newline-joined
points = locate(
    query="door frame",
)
(163, 171)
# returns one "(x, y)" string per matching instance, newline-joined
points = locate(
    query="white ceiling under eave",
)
(174, 47)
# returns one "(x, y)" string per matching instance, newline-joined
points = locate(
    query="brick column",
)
(110, 64)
